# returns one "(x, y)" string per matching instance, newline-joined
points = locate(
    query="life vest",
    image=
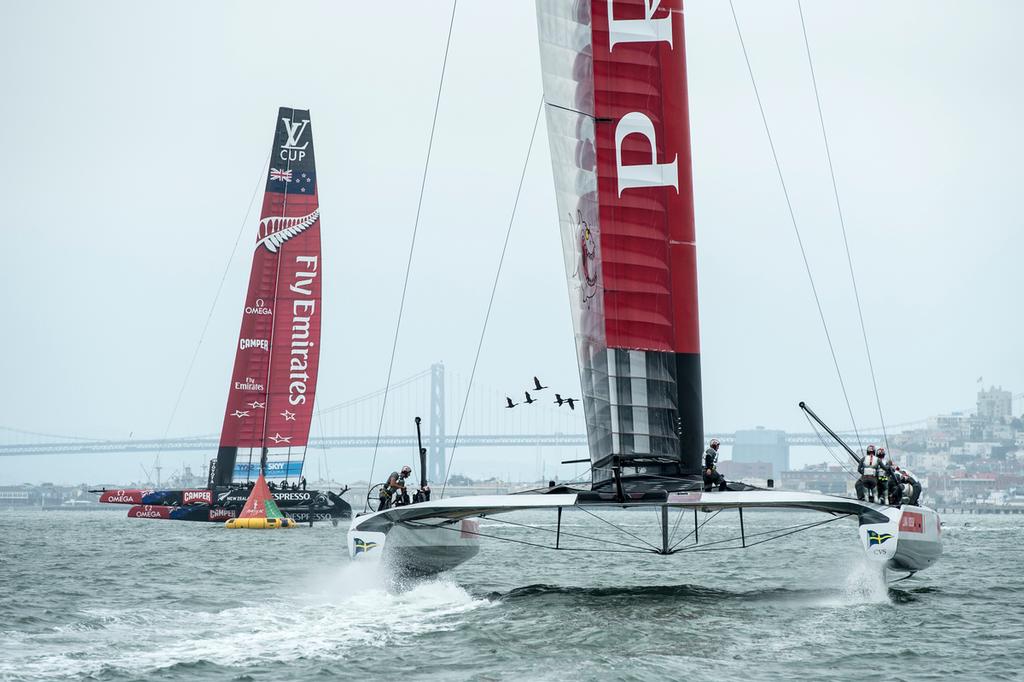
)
(387, 489)
(711, 459)
(870, 465)
(882, 470)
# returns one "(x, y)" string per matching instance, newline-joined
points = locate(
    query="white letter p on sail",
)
(651, 174)
(646, 30)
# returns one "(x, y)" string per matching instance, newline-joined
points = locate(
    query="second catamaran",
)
(273, 383)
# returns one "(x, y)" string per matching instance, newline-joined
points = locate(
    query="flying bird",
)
(563, 401)
(537, 386)
(529, 400)
(510, 403)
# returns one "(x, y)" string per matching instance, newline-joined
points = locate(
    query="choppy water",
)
(98, 596)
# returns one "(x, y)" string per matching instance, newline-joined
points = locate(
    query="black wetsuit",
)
(710, 464)
(915, 496)
(895, 493)
(884, 472)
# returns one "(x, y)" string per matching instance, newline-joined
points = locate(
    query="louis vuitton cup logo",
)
(292, 150)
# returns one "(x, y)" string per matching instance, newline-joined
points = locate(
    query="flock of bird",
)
(537, 387)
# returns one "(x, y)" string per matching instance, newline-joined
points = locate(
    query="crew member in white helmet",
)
(868, 480)
(393, 493)
(711, 475)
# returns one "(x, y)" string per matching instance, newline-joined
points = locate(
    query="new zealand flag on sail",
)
(282, 180)
(292, 164)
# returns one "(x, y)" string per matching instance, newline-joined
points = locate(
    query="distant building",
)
(762, 445)
(832, 480)
(953, 426)
(739, 471)
(995, 404)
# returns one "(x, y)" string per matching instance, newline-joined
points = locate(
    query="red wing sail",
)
(270, 399)
(615, 87)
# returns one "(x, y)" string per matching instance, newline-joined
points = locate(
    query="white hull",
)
(426, 548)
(911, 539)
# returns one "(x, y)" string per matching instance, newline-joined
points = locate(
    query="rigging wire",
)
(792, 217)
(373, 394)
(270, 359)
(494, 289)
(842, 222)
(828, 447)
(707, 547)
(412, 243)
(216, 297)
(621, 530)
(772, 533)
(703, 523)
(466, 531)
(569, 534)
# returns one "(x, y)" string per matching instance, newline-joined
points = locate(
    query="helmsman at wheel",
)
(394, 493)
(711, 475)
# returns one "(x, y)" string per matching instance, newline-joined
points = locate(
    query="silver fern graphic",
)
(276, 230)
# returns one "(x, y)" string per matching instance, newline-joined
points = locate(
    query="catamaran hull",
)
(194, 505)
(419, 550)
(202, 512)
(911, 539)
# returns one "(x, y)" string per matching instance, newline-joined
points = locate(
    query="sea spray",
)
(865, 582)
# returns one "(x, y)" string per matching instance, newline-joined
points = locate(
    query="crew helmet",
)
(871, 449)
(881, 452)
(715, 443)
(406, 470)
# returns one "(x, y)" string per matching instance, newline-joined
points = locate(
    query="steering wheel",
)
(373, 497)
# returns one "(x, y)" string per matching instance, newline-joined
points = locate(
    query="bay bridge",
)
(354, 424)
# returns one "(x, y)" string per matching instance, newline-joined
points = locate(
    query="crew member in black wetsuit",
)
(868, 481)
(711, 475)
(886, 478)
(393, 493)
(907, 478)
(896, 497)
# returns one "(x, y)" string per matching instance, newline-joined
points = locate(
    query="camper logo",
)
(876, 538)
(362, 546)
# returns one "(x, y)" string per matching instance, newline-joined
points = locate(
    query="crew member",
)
(302, 482)
(393, 493)
(895, 489)
(711, 475)
(868, 480)
(915, 487)
(884, 473)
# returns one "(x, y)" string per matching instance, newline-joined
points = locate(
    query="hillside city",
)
(963, 460)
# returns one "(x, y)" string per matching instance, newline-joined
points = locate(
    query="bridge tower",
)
(435, 447)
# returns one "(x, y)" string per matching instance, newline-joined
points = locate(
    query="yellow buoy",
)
(260, 510)
(259, 523)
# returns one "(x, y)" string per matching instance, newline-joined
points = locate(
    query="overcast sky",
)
(136, 133)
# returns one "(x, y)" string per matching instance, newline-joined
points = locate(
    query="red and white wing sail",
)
(616, 103)
(270, 400)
